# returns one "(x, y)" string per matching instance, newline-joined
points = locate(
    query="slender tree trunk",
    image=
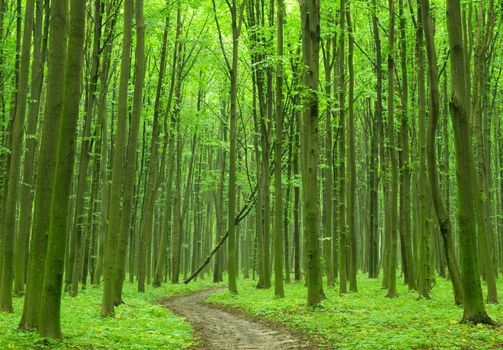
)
(424, 236)
(232, 260)
(393, 197)
(404, 160)
(310, 24)
(219, 201)
(107, 307)
(484, 36)
(278, 152)
(14, 170)
(102, 119)
(130, 169)
(153, 182)
(45, 168)
(474, 309)
(27, 185)
(341, 218)
(328, 172)
(377, 137)
(50, 324)
(296, 205)
(353, 261)
(170, 146)
(79, 233)
(286, 212)
(442, 215)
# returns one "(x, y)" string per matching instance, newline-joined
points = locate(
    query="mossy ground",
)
(141, 323)
(363, 320)
(369, 320)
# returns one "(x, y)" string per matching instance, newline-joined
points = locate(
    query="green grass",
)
(368, 320)
(141, 323)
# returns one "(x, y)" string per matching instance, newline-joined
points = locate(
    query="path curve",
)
(217, 329)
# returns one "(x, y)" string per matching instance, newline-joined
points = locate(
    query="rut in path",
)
(217, 329)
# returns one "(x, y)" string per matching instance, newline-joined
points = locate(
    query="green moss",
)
(368, 320)
(141, 323)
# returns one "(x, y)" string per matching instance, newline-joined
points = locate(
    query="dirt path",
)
(218, 329)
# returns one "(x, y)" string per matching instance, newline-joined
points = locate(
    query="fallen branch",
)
(242, 214)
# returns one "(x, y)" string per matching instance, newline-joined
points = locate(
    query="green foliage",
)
(141, 323)
(368, 320)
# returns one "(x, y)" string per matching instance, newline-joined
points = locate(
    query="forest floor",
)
(223, 329)
(369, 320)
(141, 323)
(254, 319)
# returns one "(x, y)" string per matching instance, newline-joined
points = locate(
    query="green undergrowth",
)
(141, 323)
(369, 320)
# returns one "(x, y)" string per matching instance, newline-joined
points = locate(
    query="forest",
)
(251, 174)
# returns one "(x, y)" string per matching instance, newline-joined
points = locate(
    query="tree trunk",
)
(474, 309)
(404, 159)
(102, 119)
(393, 185)
(132, 148)
(50, 324)
(424, 236)
(14, 170)
(328, 172)
(352, 193)
(484, 34)
(310, 24)
(27, 185)
(45, 168)
(341, 200)
(107, 307)
(442, 215)
(376, 149)
(278, 152)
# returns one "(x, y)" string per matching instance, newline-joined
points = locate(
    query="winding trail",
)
(218, 329)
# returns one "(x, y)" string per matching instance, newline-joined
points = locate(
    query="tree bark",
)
(442, 215)
(14, 169)
(27, 185)
(107, 307)
(352, 193)
(474, 309)
(278, 152)
(310, 24)
(50, 324)
(393, 162)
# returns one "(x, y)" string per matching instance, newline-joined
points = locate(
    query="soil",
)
(218, 328)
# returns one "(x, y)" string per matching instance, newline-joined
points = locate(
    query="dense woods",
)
(152, 142)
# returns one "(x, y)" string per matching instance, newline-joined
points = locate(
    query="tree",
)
(45, 167)
(442, 216)
(169, 147)
(310, 23)
(376, 147)
(153, 175)
(131, 155)
(107, 307)
(50, 324)
(424, 236)
(27, 186)
(328, 177)
(341, 200)
(393, 162)
(404, 160)
(278, 153)
(474, 309)
(232, 67)
(9, 217)
(79, 232)
(353, 262)
(484, 33)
